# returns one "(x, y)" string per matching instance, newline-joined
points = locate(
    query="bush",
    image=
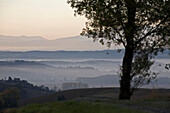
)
(9, 98)
(61, 98)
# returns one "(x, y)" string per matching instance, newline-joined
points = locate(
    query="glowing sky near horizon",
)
(50, 19)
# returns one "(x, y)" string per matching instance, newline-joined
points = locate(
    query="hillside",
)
(73, 107)
(27, 90)
(145, 100)
(96, 94)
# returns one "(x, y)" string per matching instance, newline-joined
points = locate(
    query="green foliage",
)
(72, 107)
(9, 98)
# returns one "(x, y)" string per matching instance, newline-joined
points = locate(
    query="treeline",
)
(26, 90)
(13, 89)
(20, 84)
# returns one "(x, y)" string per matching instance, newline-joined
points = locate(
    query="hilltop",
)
(26, 89)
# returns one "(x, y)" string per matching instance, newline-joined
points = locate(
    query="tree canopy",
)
(141, 26)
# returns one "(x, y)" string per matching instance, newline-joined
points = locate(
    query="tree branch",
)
(120, 37)
(150, 32)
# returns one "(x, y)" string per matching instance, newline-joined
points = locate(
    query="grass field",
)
(73, 107)
(97, 100)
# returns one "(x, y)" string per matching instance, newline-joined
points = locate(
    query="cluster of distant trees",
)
(9, 98)
(23, 83)
(13, 89)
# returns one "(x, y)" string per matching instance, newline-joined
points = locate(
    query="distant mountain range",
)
(104, 54)
(27, 43)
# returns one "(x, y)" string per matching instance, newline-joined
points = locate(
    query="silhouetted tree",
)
(9, 79)
(141, 26)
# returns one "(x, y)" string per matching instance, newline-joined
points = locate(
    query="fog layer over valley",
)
(49, 68)
(39, 73)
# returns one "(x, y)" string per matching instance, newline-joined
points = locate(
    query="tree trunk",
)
(125, 79)
(125, 82)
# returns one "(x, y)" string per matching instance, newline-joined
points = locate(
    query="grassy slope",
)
(156, 105)
(99, 100)
(93, 94)
(73, 107)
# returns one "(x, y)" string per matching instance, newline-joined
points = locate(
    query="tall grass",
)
(72, 107)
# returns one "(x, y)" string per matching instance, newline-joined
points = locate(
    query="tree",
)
(9, 79)
(9, 98)
(141, 26)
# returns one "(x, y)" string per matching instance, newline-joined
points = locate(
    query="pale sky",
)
(50, 19)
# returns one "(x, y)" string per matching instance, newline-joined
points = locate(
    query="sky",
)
(50, 19)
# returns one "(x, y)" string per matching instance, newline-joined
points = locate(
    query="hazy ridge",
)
(104, 54)
(26, 43)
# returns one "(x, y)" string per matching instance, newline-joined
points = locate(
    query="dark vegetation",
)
(27, 90)
(9, 98)
(97, 100)
(12, 90)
